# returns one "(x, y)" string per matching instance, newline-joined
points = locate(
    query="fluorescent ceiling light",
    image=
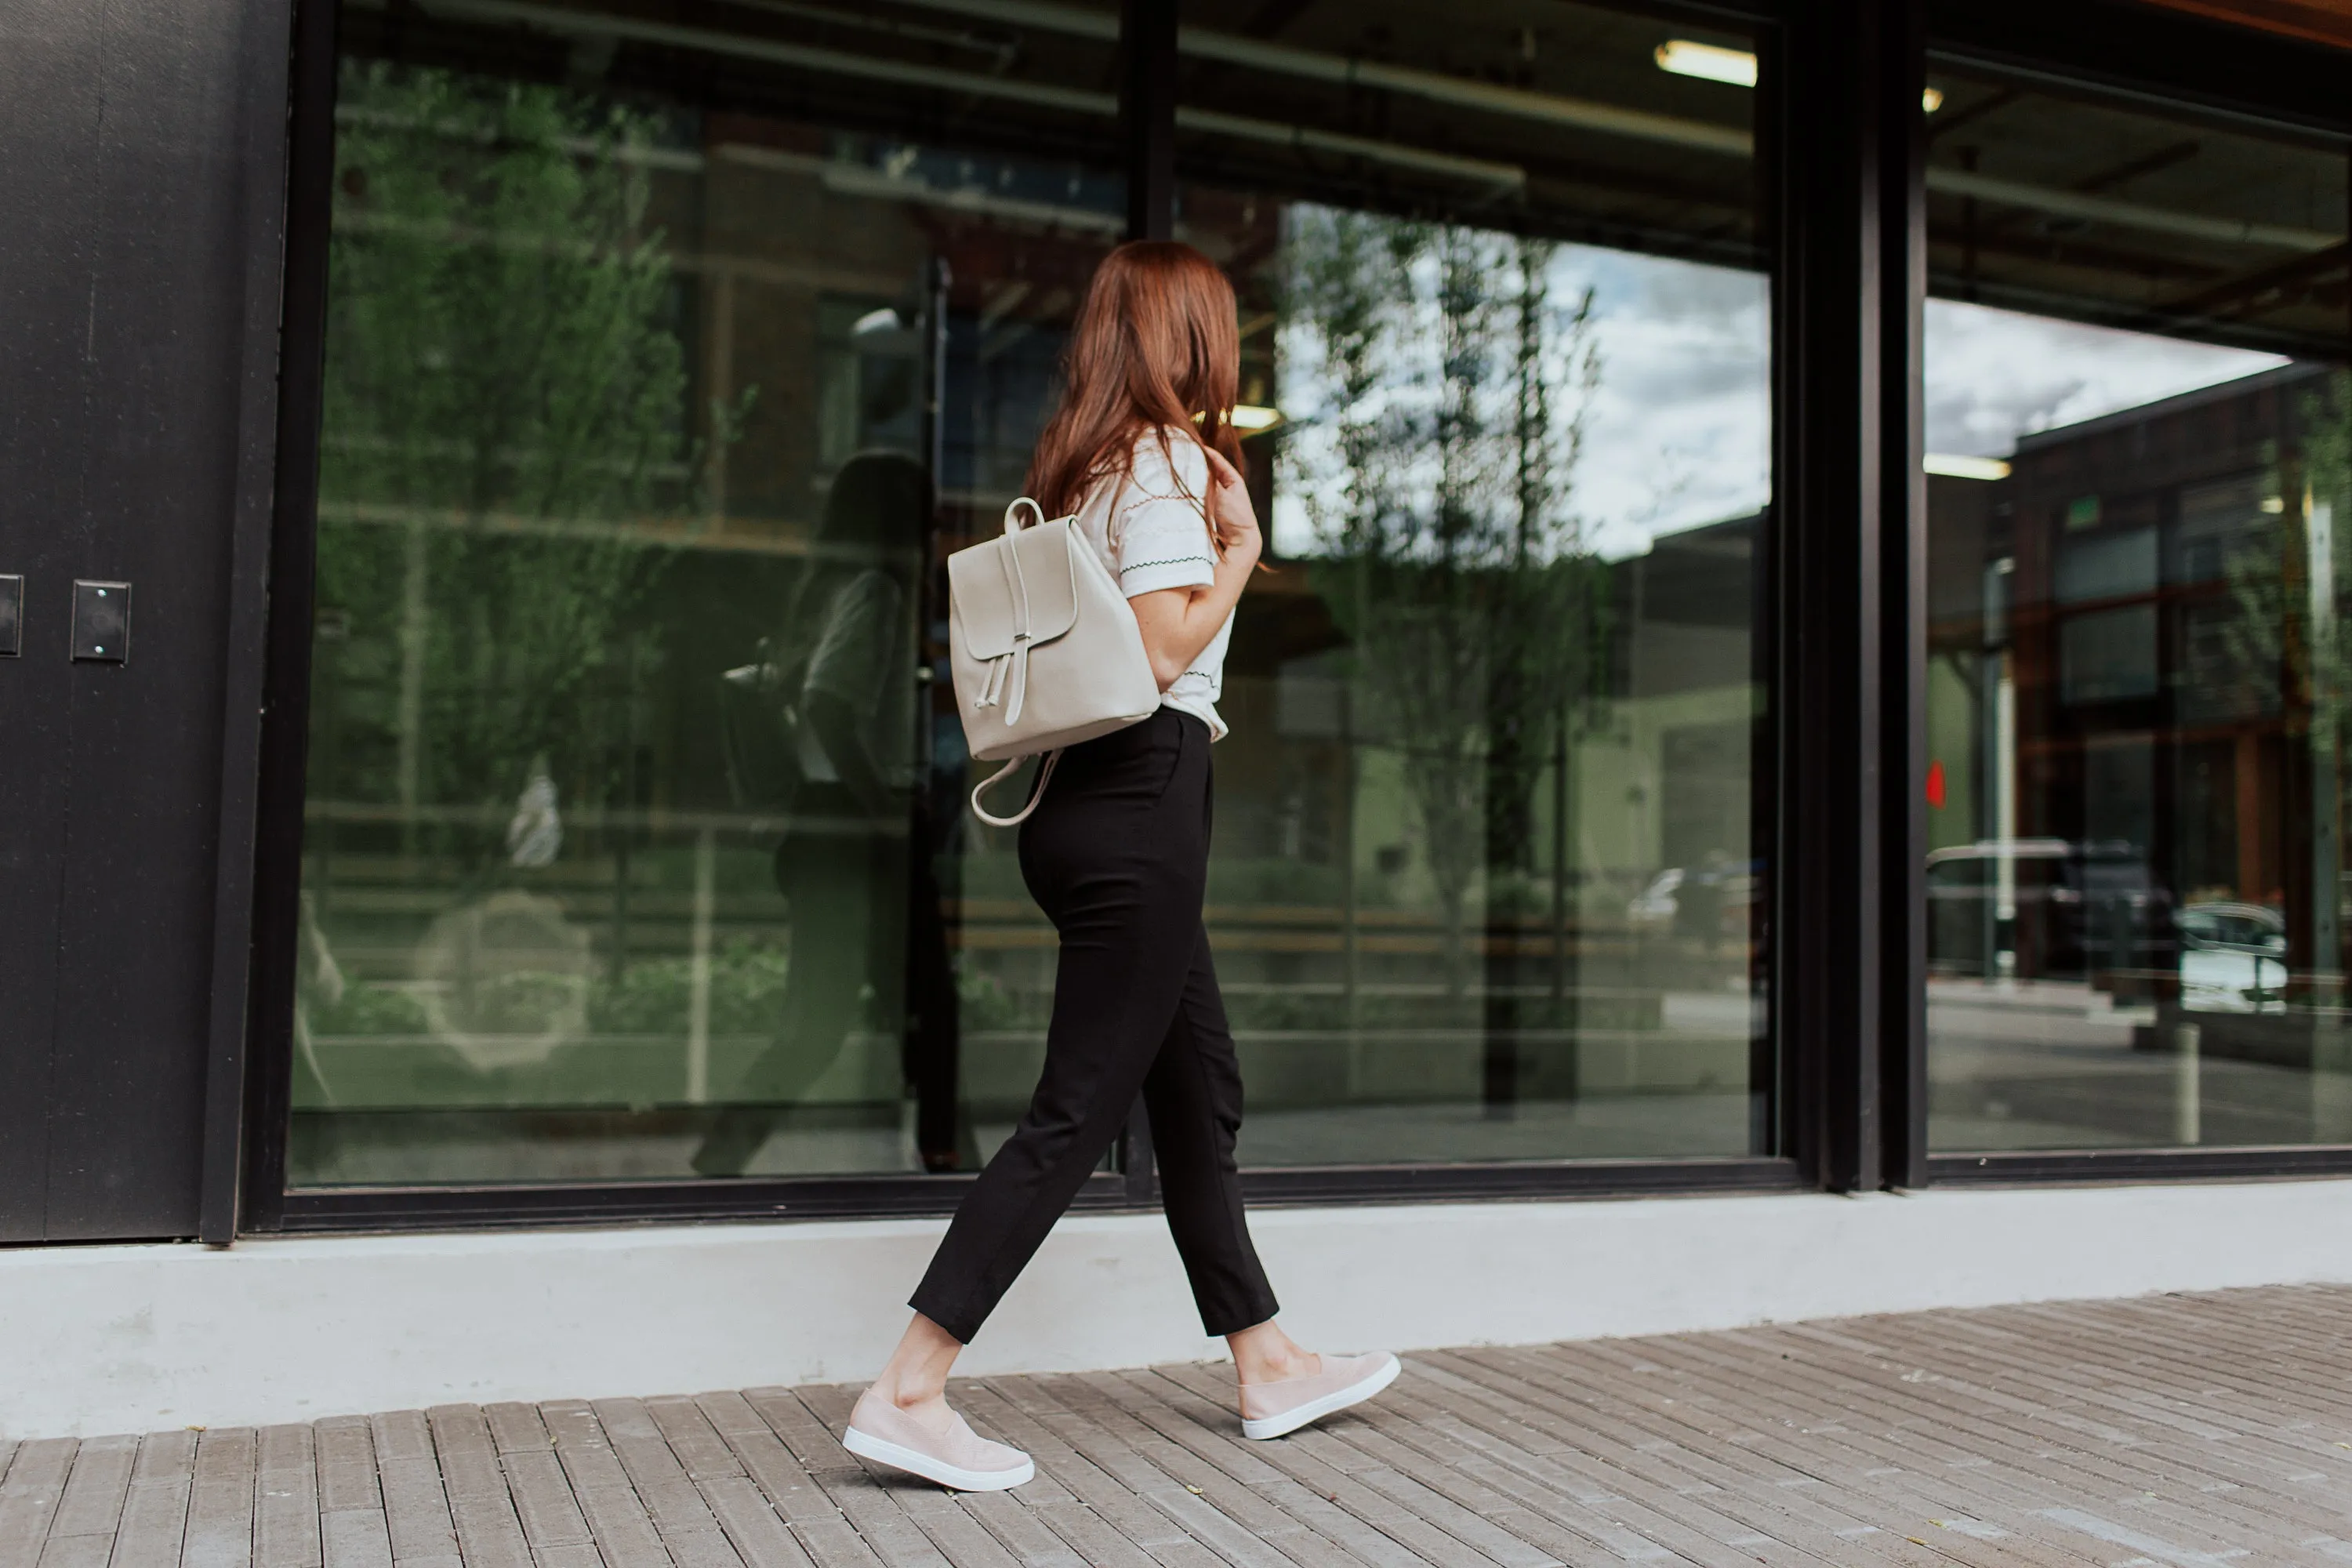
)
(1684, 57)
(885, 319)
(1952, 466)
(1712, 62)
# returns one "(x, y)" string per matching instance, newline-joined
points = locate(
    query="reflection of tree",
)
(2288, 587)
(505, 384)
(1458, 387)
(2274, 632)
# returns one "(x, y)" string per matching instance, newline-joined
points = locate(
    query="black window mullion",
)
(1844, 948)
(1903, 250)
(293, 554)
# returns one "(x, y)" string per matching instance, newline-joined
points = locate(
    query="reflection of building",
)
(1688, 610)
(2119, 598)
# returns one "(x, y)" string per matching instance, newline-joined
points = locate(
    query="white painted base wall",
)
(125, 1339)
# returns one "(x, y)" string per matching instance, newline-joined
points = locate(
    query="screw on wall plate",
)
(102, 622)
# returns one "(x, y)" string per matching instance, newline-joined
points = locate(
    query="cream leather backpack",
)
(1045, 647)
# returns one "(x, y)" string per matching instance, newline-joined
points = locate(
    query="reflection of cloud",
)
(1995, 375)
(1678, 433)
(1680, 429)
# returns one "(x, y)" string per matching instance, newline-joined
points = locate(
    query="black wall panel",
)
(49, 113)
(135, 202)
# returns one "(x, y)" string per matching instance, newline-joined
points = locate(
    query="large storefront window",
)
(1488, 883)
(660, 342)
(2138, 423)
(670, 348)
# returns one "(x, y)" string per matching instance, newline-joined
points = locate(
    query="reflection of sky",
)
(1995, 375)
(1679, 429)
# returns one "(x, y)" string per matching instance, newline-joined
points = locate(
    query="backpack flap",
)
(1010, 595)
(1017, 582)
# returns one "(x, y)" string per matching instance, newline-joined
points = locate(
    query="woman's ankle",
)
(1296, 1363)
(1264, 1353)
(916, 1372)
(907, 1393)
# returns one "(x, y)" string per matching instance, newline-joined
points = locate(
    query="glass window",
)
(662, 339)
(669, 347)
(2136, 422)
(1488, 882)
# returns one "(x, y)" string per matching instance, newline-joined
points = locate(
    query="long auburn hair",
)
(1156, 347)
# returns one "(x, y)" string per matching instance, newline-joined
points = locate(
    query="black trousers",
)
(1117, 857)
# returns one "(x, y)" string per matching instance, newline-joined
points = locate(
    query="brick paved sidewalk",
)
(2187, 1430)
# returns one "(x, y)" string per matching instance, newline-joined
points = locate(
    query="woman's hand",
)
(1231, 516)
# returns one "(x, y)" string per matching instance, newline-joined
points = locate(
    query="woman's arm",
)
(1178, 623)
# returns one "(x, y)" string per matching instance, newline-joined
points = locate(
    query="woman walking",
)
(1142, 450)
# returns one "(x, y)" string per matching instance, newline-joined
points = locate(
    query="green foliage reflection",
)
(506, 405)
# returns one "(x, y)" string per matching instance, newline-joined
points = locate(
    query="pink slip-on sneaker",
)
(960, 1458)
(1270, 1409)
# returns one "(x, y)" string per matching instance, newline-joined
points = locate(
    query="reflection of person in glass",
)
(846, 664)
(1142, 452)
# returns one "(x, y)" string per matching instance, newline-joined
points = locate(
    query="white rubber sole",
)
(868, 1447)
(1299, 1415)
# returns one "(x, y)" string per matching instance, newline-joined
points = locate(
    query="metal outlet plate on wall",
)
(102, 622)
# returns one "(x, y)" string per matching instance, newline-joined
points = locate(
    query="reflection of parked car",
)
(2081, 907)
(2232, 958)
(1659, 907)
(1653, 908)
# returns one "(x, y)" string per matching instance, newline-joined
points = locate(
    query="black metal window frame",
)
(1842, 801)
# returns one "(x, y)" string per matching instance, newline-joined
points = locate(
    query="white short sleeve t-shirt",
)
(1152, 529)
